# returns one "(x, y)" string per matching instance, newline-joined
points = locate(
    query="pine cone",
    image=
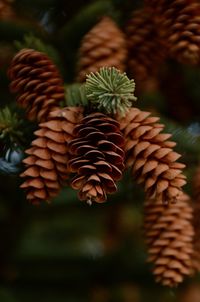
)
(97, 157)
(37, 82)
(46, 165)
(196, 221)
(150, 156)
(6, 10)
(146, 51)
(169, 234)
(179, 25)
(103, 45)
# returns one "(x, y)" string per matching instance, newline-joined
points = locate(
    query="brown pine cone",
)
(179, 25)
(104, 45)
(37, 81)
(97, 157)
(47, 161)
(151, 157)
(6, 10)
(196, 221)
(169, 235)
(146, 51)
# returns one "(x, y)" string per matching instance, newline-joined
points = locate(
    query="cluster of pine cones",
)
(95, 148)
(89, 150)
(161, 29)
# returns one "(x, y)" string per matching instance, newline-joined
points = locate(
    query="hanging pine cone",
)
(97, 157)
(146, 51)
(103, 45)
(196, 221)
(169, 234)
(46, 164)
(179, 25)
(151, 157)
(37, 81)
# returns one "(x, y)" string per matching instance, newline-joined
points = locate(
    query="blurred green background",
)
(67, 250)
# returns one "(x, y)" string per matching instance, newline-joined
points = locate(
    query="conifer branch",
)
(9, 125)
(75, 95)
(33, 42)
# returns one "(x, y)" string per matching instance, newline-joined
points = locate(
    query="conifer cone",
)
(103, 45)
(196, 221)
(169, 235)
(37, 81)
(179, 25)
(6, 10)
(97, 157)
(146, 51)
(150, 155)
(47, 161)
